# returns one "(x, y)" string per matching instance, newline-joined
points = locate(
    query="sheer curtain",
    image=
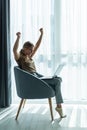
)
(28, 16)
(74, 48)
(64, 40)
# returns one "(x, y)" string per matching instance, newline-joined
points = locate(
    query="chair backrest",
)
(30, 87)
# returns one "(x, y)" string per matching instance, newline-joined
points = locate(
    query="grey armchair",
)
(30, 87)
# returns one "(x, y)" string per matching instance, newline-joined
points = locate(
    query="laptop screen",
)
(59, 68)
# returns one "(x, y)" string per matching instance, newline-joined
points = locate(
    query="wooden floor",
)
(37, 117)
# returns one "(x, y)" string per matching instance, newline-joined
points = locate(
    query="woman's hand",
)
(18, 34)
(41, 30)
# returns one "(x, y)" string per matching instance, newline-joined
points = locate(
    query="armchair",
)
(30, 87)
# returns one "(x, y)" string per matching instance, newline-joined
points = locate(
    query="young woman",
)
(25, 62)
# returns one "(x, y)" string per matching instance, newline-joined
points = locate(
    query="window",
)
(28, 17)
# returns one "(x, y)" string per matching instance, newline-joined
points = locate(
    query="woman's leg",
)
(55, 83)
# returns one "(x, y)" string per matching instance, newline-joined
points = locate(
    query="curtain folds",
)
(5, 61)
(29, 17)
(74, 48)
(64, 40)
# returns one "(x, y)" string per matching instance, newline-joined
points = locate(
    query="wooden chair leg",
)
(50, 105)
(21, 102)
(24, 102)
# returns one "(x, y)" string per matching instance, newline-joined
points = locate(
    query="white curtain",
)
(74, 48)
(64, 40)
(28, 16)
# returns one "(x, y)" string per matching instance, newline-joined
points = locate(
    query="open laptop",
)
(57, 71)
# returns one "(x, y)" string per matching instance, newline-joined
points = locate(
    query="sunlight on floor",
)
(37, 113)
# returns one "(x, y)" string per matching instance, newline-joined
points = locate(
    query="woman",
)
(25, 61)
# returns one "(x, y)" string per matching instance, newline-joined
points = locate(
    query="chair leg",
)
(50, 105)
(21, 102)
(24, 102)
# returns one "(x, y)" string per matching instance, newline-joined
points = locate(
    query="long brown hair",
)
(27, 44)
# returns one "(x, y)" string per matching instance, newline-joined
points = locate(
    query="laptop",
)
(57, 72)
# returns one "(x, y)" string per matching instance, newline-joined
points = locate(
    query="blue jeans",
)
(55, 83)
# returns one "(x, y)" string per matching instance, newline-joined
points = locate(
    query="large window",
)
(74, 30)
(74, 48)
(64, 40)
(28, 16)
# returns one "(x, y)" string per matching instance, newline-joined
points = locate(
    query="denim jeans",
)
(55, 83)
